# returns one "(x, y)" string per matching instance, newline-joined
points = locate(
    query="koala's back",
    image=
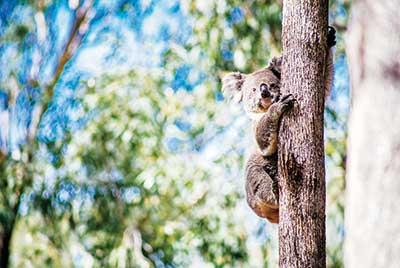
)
(261, 186)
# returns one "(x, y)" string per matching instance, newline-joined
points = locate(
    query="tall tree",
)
(301, 151)
(373, 187)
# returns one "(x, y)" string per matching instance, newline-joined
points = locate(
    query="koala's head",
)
(257, 91)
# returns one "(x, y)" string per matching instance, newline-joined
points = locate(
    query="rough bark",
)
(301, 147)
(372, 218)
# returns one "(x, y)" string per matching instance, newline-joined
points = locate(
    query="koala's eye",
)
(273, 85)
(254, 89)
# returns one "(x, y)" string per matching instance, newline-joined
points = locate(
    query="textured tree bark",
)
(301, 145)
(372, 218)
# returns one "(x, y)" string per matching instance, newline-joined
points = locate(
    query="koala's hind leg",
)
(267, 128)
(261, 186)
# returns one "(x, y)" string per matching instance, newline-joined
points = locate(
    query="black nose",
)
(264, 91)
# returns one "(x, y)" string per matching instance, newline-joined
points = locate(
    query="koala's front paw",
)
(286, 103)
(280, 107)
(331, 36)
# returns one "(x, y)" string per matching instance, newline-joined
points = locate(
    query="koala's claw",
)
(286, 97)
(276, 97)
(287, 102)
(331, 36)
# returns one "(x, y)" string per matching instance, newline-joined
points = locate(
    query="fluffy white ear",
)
(232, 86)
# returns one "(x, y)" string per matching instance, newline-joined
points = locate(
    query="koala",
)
(259, 92)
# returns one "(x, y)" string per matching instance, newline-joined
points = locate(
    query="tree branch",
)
(78, 32)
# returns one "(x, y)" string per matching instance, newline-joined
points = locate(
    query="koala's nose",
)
(264, 91)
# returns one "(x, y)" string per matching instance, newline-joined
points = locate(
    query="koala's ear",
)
(276, 66)
(232, 86)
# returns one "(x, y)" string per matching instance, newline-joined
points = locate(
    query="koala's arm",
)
(266, 130)
(261, 168)
(329, 62)
(261, 186)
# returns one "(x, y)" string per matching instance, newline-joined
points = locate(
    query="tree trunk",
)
(5, 248)
(8, 229)
(372, 218)
(301, 144)
(6, 236)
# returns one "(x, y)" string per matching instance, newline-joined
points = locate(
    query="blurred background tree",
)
(117, 149)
